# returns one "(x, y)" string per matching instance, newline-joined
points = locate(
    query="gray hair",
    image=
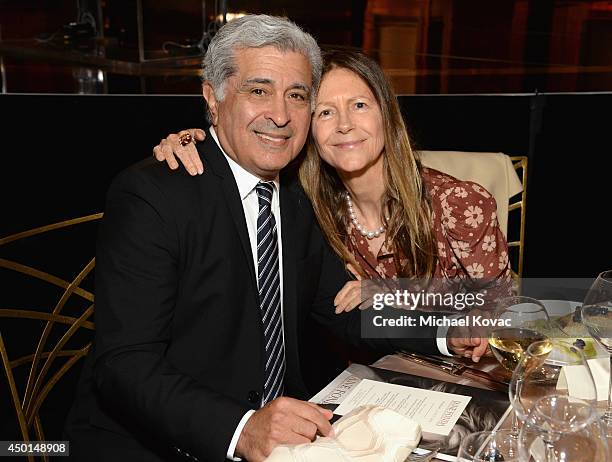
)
(257, 31)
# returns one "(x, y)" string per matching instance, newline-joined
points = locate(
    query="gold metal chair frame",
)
(38, 383)
(520, 165)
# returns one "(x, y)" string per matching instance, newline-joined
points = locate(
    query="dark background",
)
(60, 153)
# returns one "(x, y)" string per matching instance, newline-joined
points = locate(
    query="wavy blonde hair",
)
(410, 224)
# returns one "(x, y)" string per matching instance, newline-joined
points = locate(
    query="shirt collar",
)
(245, 180)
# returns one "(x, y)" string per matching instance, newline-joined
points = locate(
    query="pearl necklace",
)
(364, 232)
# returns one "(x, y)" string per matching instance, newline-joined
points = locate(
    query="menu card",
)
(437, 412)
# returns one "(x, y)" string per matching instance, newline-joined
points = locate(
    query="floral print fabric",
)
(471, 247)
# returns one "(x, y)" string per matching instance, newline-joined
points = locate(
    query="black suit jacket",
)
(179, 347)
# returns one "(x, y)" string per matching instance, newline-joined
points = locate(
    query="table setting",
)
(541, 394)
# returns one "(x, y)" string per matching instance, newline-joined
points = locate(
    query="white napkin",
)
(572, 379)
(366, 434)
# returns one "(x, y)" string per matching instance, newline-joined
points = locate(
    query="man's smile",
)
(272, 139)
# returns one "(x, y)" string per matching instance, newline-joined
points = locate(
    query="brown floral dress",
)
(470, 245)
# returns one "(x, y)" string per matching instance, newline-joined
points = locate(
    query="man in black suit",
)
(203, 283)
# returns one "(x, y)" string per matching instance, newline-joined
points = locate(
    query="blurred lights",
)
(230, 16)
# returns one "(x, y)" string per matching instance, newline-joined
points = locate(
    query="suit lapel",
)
(288, 203)
(214, 160)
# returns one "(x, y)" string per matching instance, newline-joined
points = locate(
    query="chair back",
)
(56, 323)
(498, 174)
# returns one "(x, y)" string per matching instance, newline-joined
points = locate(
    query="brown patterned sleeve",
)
(475, 247)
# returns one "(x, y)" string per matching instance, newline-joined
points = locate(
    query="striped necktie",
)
(269, 294)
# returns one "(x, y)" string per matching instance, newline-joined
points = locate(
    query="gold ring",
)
(185, 139)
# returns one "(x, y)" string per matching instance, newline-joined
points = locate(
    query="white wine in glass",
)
(525, 316)
(508, 344)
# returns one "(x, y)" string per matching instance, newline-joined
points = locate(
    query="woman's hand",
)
(349, 297)
(170, 148)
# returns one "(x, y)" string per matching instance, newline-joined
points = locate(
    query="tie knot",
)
(264, 190)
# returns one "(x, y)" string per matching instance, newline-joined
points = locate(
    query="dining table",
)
(487, 374)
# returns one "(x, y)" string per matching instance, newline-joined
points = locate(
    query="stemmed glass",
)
(526, 321)
(562, 428)
(544, 370)
(596, 315)
(489, 446)
(553, 393)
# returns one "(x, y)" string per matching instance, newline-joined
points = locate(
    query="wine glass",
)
(526, 321)
(596, 313)
(600, 290)
(562, 428)
(544, 370)
(489, 446)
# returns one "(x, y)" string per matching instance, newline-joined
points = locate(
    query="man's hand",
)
(170, 148)
(470, 341)
(282, 421)
(469, 347)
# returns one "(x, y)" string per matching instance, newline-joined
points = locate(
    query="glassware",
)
(543, 371)
(596, 315)
(489, 446)
(528, 320)
(561, 428)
